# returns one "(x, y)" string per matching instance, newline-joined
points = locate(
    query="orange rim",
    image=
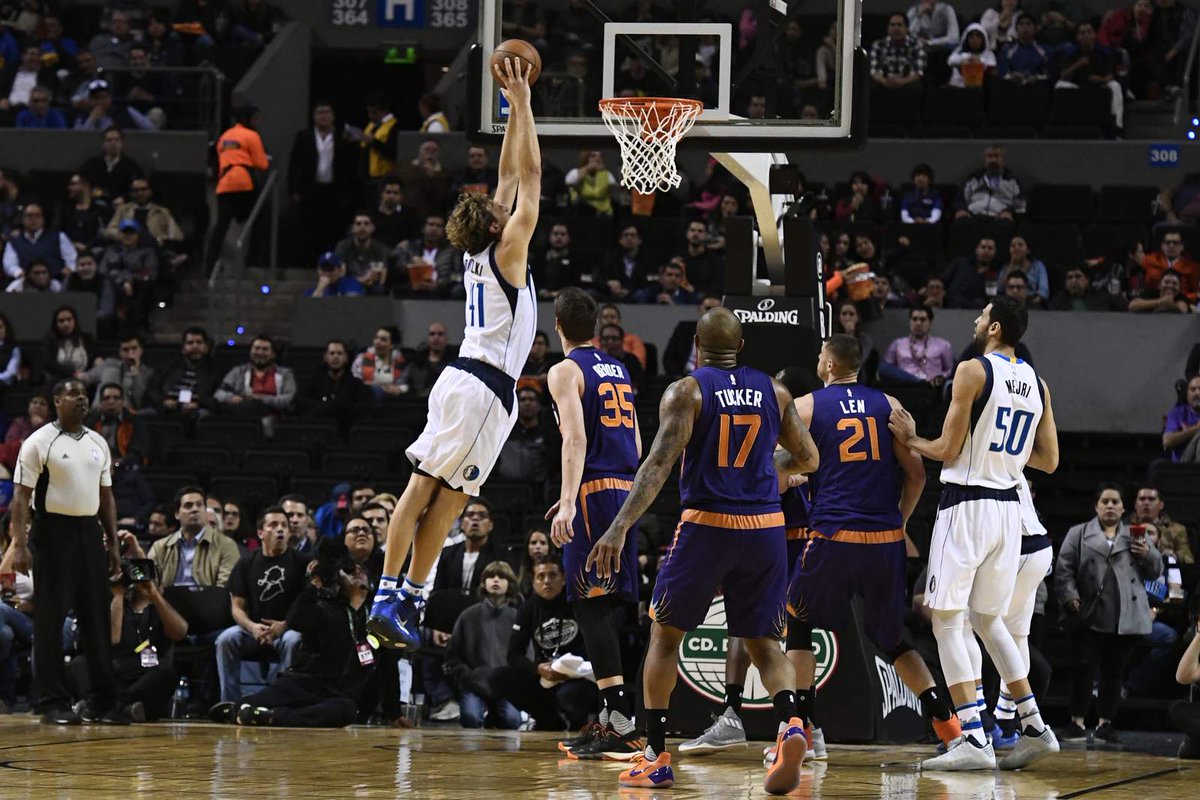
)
(626, 106)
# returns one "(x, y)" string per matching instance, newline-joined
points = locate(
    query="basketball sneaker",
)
(393, 623)
(726, 731)
(948, 731)
(1032, 747)
(254, 715)
(610, 746)
(790, 746)
(586, 736)
(648, 772)
(816, 747)
(1004, 739)
(962, 754)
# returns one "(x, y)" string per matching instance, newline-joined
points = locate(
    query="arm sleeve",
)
(30, 462)
(227, 389)
(518, 642)
(1065, 568)
(67, 251)
(13, 368)
(951, 20)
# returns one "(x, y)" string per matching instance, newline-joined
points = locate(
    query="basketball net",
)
(648, 130)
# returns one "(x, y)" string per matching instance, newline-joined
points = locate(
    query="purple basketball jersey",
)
(729, 463)
(855, 488)
(608, 416)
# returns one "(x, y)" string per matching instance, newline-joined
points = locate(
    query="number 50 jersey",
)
(608, 416)
(1004, 423)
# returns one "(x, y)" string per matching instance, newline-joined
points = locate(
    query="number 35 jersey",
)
(1004, 423)
(608, 416)
(855, 488)
(729, 463)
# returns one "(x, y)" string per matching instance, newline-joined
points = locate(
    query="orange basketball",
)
(522, 52)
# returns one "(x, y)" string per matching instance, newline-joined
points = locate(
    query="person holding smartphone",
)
(1099, 581)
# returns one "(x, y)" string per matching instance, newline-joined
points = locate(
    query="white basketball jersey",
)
(1030, 524)
(501, 319)
(1004, 422)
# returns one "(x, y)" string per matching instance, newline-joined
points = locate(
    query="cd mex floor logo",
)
(702, 660)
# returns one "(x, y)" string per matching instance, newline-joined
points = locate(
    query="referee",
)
(66, 470)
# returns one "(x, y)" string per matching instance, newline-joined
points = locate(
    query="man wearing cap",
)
(132, 266)
(240, 152)
(332, 280)
(103, 113)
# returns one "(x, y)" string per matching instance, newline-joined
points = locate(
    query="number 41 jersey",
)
(1004, 423)
(729, 463)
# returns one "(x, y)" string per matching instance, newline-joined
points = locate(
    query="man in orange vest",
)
(239, 152)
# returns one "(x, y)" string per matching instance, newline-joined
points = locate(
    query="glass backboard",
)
(772, 74)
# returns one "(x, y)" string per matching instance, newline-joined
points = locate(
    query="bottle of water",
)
(179, 703)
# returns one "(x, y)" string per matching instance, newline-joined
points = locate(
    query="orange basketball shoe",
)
(790, 746)
(644, 773)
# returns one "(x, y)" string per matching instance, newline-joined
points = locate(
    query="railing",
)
(1185, 104)
(220, 314)
(194, 98)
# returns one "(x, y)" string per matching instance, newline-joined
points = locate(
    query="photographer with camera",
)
(323, 686)
(1186, 713)
(144, 630)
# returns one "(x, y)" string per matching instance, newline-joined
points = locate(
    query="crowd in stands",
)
(62, 71)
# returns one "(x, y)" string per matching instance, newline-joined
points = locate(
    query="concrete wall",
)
(278, 85)
(1107, 372)
(1041, 161)
(32, 313)
(156, 151)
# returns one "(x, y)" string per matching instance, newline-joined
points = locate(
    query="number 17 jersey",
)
(729, 463)
(1004, 421)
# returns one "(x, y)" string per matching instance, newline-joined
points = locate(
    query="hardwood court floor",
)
(182, 761)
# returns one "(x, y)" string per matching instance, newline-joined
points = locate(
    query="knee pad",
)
(799, 635)
(1000, 647)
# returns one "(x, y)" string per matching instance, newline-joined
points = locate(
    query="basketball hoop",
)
(648, 129)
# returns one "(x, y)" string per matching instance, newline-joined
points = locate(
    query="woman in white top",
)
(1000, 23)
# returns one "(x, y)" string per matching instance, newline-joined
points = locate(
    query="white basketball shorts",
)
(1032, 569)
(467, 426)
(975, 550)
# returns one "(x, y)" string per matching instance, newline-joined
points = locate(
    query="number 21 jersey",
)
(1004, 423)
(729, 463)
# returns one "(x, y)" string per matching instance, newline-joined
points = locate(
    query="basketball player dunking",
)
(726, 421)
(593, 400)
(998, 422)
(472, 408)
(856, 541)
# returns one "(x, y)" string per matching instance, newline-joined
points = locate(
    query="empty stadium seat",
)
(901, 106)
(1101, 240)
(276, 462)
(1086, 106)
(1009, 104)
(948, 105)
(355, 466)
(1052, 244)
(1061, 203)
(255, 488)
(303, 434)
(966, 233)
(200, 458)
(164, 434)
(166, 482)
(1126, 204)
(236, 436)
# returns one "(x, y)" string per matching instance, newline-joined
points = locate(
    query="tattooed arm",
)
(799, 451)
(677, 412)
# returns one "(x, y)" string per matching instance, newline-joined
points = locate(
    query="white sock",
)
(980, 701)
(1006, 708)
(1031, 717)
(968, 715)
